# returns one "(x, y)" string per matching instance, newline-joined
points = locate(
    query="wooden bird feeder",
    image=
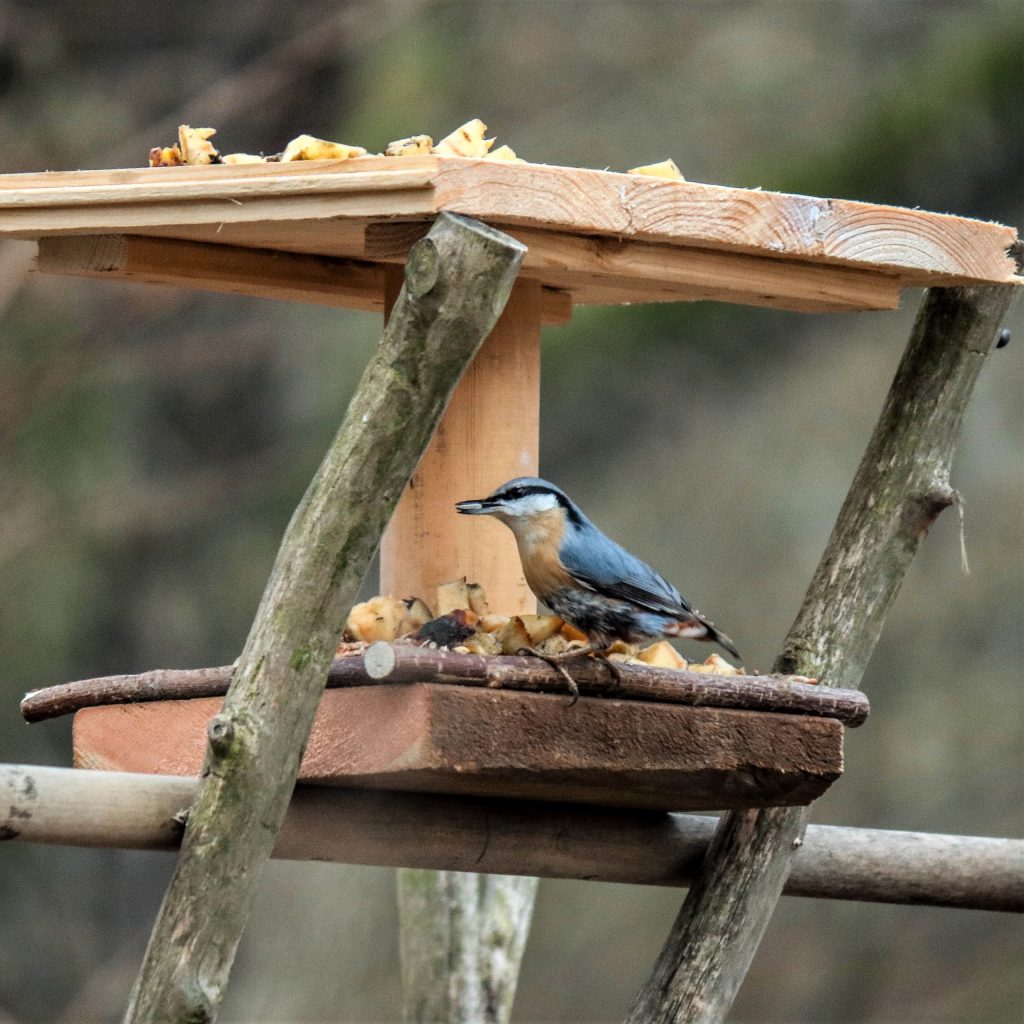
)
(337, 233)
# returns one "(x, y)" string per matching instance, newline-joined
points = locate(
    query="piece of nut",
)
(195, 144)
(466, 140)
(662, 169)
(309, 147)
(411, 146)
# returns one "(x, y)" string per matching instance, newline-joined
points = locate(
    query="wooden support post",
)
(463, 935)
(489, 433)
(901, 487)
(455, 287)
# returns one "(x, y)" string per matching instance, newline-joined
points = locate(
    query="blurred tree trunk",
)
(462, 941)
(901, 487)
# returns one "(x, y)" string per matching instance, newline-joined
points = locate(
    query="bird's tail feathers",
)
(699, 628)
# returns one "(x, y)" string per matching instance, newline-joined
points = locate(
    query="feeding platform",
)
(338, 233)
(408, 718)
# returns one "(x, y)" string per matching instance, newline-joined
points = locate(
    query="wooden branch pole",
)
(398, 663)
(456, 284)
(900, 488)
(462, 937)
(552, 840)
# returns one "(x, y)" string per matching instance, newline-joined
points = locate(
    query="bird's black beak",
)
(475, 508)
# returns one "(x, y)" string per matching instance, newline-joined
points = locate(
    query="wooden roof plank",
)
(580, 261)
(594, 232)
(326, 281)
(264, 273)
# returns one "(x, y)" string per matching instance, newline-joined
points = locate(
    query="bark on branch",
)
(456, 284)
(520, 837)
(901, 486)
(387, 663)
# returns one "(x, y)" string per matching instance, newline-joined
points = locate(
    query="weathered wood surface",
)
(902, 485)
(256, 742)
(407, 664)
(421, 737)
(917, 246)
(552, 840)
(324, 280)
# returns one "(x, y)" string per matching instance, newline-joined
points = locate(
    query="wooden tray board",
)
(447, 739)
(598, 236)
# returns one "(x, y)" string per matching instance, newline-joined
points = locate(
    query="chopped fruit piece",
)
(377, 619)
(715, 665)
(195, 144)
(452, 595)
(243, 158)
(492, 623)
(570, 632)
(308, 147)
(410, 147)
(540, 627)
(416, 615)
(168, 156)
(448, 630)
(556, 644)
(662, 655)
(504, 153)
(478, 599)
(664, 169)
(483, 643)
(466, 141)
(513, 636)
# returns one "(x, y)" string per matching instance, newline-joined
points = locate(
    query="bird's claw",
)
(555, 662)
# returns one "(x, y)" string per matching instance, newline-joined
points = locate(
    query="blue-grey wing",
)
(597, 562)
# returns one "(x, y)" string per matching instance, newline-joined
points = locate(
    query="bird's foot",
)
(612, 666)
(555, 661)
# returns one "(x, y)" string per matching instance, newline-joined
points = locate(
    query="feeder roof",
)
(593, 236)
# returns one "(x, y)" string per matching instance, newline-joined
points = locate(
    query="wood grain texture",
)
(614, 269)
(551, 840)
(490, 433)
(431, 738)
(299, 201)
(322, 280)
(255, 744)
(901, 487)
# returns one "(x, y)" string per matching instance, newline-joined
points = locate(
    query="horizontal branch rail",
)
(118, 809)
(406, 663)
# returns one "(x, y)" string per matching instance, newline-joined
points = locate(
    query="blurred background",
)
(154, 442)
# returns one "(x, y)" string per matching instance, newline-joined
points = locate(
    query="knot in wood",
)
(924, 508)
(422, 268)
(220, 732)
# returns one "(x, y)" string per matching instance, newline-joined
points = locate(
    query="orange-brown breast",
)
(539, 540)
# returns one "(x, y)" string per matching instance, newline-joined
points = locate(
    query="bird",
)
(585, 577)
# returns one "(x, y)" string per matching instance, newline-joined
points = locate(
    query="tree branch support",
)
(900, 488)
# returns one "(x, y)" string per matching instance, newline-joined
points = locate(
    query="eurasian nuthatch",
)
(584, 576)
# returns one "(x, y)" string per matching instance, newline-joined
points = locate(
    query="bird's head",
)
(521, 501)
